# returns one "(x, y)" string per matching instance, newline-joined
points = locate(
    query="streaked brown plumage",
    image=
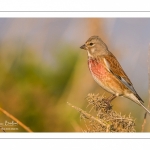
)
(107, 71)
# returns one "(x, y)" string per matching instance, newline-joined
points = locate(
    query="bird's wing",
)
(113, 66)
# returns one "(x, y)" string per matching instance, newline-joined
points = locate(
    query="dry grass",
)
(102, 118)
(148, 64)
(15, 119)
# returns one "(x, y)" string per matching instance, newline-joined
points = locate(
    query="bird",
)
(108, 73)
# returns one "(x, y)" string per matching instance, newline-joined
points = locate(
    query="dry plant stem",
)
(148, 62)
(88, 116)
(144, 122)
(15, 119)
(149, 76)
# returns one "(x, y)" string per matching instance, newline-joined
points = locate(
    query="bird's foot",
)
(108, 102)
(108, 105)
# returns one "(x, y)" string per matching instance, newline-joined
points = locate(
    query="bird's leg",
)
(111, 98)
(108, 101)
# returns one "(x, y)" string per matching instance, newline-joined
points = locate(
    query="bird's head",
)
(95, 47)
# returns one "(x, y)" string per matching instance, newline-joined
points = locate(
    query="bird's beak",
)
(83, 47)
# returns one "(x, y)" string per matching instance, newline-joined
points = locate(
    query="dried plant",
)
(15, 119)
(148, 63)
(106, 119)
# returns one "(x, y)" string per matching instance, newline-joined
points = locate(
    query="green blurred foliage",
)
(30, 88)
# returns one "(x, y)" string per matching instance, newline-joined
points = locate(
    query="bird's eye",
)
(91, 44)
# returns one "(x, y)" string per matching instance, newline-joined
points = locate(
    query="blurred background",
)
(42, 68)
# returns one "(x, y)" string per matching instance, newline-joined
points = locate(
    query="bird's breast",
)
(97, 67)
(100, 74)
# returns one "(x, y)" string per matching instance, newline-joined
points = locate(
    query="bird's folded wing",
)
(113, 66)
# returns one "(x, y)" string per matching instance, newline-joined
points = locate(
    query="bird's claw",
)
(108, 105)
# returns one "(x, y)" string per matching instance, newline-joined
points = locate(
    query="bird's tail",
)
(137, 100)
(145, 108)
(141, 103)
